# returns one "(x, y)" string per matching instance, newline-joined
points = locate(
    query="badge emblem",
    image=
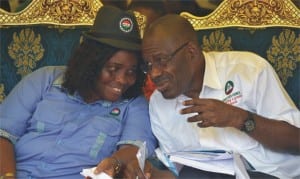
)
(115, 112)
(126, 24)
(229, 87)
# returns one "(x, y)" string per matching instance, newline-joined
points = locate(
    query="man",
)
(228, 100)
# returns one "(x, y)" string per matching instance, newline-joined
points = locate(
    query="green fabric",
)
(23, 5)
(24, 49)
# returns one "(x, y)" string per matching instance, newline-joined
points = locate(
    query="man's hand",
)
(215, 113)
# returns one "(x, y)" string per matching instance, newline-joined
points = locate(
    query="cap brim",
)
(126, 45)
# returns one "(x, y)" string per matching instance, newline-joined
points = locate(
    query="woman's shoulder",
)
(44, 75)
(139, 100)
(50, 70)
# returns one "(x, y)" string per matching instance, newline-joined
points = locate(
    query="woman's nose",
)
(121, 78)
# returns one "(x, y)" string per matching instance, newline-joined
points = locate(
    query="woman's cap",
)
(116, 28)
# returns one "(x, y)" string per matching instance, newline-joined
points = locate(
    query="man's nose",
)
(155, 71)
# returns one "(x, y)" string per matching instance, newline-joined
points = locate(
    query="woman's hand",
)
(133, 171)
(114, 168)
(124, 164)
(111, 166)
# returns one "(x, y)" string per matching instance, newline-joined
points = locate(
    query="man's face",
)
(167, 66)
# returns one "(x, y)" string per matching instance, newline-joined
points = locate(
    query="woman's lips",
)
(117, 90)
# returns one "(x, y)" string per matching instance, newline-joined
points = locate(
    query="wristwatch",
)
(249, 124)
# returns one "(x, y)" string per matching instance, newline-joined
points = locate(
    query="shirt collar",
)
(211, 78)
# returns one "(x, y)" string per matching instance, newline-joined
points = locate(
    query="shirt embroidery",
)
(233, 98)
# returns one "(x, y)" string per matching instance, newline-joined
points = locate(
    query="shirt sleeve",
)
(137, 128)
(272, 100)
(18, 107)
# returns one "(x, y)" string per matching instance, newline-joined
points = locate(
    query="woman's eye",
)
(112, 68)
(131, 72)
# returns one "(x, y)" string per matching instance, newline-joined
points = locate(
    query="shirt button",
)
(59, 142)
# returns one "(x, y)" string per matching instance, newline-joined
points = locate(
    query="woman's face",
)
(117, 75)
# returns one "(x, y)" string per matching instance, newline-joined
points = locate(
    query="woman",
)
(60, 120)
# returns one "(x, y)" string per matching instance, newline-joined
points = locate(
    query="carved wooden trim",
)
(56, 12)
(66, 13)
(69, 11)
(249, 13)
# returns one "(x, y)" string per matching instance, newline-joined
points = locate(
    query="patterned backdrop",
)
(24, 49)
(272, 32)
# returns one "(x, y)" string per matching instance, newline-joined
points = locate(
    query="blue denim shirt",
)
(56, 135)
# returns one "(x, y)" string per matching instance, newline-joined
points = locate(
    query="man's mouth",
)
(162, 85)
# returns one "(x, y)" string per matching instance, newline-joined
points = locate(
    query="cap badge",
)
(126, 24)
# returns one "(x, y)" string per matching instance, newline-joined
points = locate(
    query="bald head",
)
(171, 27)
(173, 56)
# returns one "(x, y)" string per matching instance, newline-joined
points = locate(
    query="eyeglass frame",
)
(162, 62)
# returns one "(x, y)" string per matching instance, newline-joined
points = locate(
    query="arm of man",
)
(275, 134)
(275, 116)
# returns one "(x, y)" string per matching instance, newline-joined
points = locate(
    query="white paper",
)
(203, 155)
(219, 166)
(141, 156)
(239, 167)
(217, 161)
(173, 167)
(89, 172)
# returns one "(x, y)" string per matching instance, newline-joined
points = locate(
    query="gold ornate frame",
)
(248, 13)
(63, 14)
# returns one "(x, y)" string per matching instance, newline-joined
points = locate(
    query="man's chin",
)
(168, 94)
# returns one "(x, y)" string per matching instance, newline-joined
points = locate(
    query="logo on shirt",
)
(232, 97)
(115, 111)
(229, 87)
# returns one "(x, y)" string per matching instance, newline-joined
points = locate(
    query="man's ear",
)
(193, 49)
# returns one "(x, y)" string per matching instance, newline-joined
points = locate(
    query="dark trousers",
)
(192, 173)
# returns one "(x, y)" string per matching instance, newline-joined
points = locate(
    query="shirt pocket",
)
(47, 117)
(105, 132)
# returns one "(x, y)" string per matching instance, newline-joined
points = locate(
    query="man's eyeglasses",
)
(161, 61)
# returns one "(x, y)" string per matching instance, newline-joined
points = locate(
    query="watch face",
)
(249, 125)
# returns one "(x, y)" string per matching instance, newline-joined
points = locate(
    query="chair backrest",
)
(43, 33)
